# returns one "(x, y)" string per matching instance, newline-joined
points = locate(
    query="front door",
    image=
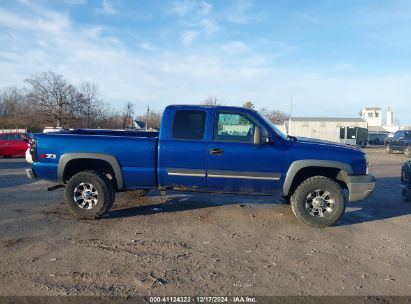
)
(235, 163)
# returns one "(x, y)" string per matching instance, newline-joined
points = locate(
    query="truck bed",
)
(135, 151)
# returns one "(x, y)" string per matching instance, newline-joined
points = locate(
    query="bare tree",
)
(275, 116)
(151, 118)
(54, 96)
(13, 111)
(128, 115)
(213, 101)
(89, 103)
(249, 105)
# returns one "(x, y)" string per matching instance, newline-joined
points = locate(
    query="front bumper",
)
(360, 187)
(30, 174)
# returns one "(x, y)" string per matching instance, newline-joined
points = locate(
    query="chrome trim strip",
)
(244, 175)
(224, 174)
(186, 172)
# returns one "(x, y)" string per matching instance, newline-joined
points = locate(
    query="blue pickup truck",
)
(214, 149)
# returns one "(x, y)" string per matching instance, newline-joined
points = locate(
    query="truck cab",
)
(219, 149)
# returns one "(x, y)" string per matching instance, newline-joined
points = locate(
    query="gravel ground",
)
(199, 244)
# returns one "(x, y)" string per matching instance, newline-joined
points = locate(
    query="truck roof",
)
(235, 108)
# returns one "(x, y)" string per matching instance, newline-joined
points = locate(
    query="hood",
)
(318, 143)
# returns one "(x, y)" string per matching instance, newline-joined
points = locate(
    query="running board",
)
(55, 187)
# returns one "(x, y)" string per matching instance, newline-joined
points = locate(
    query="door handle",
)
(216, 151)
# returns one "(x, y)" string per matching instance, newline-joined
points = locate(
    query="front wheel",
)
(407, 151)
(388, 149)
(318, 202)
(89, 195)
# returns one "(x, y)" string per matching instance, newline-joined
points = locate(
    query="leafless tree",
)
(128, 115)
(151, 118)
(249, 105)
(89, 103)
(53, 95)
(13, 111)
(275, 116)
(213, 101)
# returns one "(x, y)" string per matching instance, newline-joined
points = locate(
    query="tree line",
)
(50, 100)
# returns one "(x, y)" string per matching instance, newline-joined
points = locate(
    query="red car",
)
(13, 144)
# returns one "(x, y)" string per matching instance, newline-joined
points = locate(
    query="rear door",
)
(235, 163)
(184, 151)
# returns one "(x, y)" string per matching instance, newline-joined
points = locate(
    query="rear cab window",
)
(189, 124)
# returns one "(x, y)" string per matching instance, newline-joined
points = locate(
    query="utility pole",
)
(148, 110)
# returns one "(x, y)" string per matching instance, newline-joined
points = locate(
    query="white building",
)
(376, 125)
(373, 116)
(325, 128)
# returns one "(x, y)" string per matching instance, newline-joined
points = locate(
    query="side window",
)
(233, 127)
(13, 137)
(3, 136)
(342, 132)
(189, 124)
(351, 133)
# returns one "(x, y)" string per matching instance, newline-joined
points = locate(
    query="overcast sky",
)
(331, 57)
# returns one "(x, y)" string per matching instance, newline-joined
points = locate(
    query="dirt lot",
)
(186, 244)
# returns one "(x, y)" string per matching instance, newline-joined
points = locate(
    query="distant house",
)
(377, 129)
(372, 115)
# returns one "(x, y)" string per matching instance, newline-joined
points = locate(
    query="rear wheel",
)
(407, 151)
(318, 202)
(89, 195)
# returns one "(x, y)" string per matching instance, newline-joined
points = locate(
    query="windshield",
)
(274, 128)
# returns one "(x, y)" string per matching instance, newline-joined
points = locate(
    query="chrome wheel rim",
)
(319, 203)
(86, 195)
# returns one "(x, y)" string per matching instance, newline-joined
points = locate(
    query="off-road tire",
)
(104, 187)
(388, 149)
(299, 197)
(407, 151)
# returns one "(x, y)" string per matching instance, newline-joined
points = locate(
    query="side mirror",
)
(268, 139)
(257, 135)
